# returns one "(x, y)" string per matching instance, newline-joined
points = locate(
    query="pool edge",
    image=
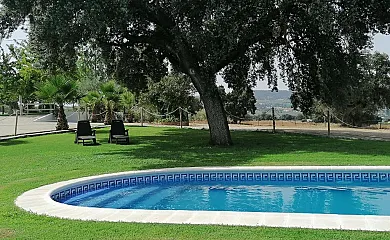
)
(38, 201)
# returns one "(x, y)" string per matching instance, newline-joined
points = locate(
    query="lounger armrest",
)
(126, 132)
(93, 132)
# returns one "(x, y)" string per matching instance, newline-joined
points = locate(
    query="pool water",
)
(356, 200)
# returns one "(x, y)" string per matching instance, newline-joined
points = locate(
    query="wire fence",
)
(21, 122)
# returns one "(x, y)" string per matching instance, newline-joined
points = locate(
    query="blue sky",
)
(381, 44)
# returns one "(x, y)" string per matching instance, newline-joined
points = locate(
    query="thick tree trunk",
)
(62, 122)
(204, 82)
(216, 116)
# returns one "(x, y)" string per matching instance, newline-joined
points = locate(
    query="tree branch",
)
(156, 16)
(243, 45)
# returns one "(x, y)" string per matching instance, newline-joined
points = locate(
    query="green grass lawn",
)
(32, 162)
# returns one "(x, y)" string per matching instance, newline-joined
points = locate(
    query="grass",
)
(32, 162)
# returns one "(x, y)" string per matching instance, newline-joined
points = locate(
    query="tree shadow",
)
(12, 142)
(91, 144)
(189, 148)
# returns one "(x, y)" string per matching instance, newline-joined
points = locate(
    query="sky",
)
(381, 44)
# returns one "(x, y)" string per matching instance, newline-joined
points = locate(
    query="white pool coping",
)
(38, 201)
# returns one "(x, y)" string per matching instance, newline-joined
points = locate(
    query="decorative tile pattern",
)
(258, 176)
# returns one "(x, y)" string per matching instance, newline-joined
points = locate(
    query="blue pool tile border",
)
(39, 200)
(258, 176)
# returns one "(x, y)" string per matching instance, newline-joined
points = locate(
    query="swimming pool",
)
(217, 196)
(243, 197)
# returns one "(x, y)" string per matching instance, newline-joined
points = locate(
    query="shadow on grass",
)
(189, 147)
(12, 142)
(91, 144)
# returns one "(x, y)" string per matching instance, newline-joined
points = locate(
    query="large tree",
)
(316, 42)
(20, 73)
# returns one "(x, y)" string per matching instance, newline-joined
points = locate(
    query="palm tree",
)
(92, 101)
(59, 89)
(111, 92)
(127, 100)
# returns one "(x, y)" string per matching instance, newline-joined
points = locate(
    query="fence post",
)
(273, 120)
(325, 121)
(180, 114)
(78, 110)
(328, 123)
(142, 116)
(16, 122)
(20, 105)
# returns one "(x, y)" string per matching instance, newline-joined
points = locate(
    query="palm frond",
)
(59, 89)
(127, 99)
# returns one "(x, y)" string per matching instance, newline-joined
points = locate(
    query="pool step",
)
(98, 198)
(154, 199)
(124, 201)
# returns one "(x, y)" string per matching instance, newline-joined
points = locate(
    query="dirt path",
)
(319, 129)
(27, 124)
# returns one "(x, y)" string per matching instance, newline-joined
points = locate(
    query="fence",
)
(16, 124)
(38, 108)
(26, 118)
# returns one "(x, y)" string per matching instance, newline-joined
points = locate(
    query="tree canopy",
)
(369, 92)
(315, 44)
(20, 74)
(8, 78)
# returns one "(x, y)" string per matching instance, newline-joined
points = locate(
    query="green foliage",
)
(93, 102)
(199, 116)
(20, 74)
(135, 67)
(265, 116)
(238, 103)
(287, 117)
(127, 99)
(30, 72)
(59, 88)
(91, 70)
(172, 92)
(359, 103)
(91, 99)
(8, 78)
(169, 119)
(110, 94)
(111, 91)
